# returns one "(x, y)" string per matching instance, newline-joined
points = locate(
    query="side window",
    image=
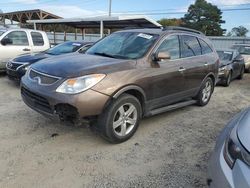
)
(190, 46)
(37, 39)
(18, 38)
(172, 46)
(205, 47)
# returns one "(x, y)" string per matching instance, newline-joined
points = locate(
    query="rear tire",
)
(205, 92)
(120, 119)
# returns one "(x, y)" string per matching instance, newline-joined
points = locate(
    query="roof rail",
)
(182, 29)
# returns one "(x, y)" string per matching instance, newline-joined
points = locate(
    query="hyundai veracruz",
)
(126, 76)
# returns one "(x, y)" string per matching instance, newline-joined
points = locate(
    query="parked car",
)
(229, 165)
(126, 76)
(17, 67)
(14, 42)
(232, 66)
(244, 50)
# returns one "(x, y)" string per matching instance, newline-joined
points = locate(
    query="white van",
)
(14, 42)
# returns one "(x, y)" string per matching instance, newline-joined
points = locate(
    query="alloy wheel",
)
(206, 92)
(125, 119)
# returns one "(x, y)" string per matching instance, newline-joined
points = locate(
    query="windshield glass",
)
(67, 47)
(225, 56)
(245, 50)
(124, 45)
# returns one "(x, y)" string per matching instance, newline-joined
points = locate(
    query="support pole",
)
(110, 6)
(34, 24)
(101, 29)
(75, 33)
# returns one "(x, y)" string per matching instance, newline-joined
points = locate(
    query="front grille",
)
(42, 78)
(36, 101)
(13, 65)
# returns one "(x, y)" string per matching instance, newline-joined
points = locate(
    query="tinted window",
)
(225, 55)
(66, 47)
(37, 39)
(124, 45)
(205, 47)
(190, 46)
(172, 46)
(18, 38)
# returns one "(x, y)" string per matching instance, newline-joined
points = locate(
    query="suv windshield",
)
(124, 45)
(225, 56)
(63, 48)
(245, 50)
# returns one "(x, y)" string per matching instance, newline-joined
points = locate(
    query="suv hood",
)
(243, 130)
(31, 58)
(74, 65)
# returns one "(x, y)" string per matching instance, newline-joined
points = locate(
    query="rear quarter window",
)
(189, 46)
(37, 39)
(205, 48)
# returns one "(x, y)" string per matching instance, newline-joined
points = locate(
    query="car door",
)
(19, 44)
(38, 43)
(195, 65)
(236, 64)
(167, 82)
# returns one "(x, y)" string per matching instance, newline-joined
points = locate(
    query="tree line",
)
(205, 17)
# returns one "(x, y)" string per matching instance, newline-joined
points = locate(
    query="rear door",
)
(167, 82)
(20, 44)
(38, 42)
(196, 64)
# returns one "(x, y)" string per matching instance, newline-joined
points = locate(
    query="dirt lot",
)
(168, 150)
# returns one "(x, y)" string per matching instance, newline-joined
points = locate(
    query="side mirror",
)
(162, 56)
(6, 41)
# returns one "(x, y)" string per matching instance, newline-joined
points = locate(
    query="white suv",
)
(16, 42)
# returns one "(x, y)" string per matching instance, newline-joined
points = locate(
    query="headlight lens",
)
(233, 150)
(80, 84)
(222, 70)
(27, 67)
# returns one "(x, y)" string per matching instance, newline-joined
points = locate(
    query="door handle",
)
(181, 69)
(26, 49)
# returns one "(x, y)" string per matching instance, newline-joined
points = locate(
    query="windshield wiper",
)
(104, 54)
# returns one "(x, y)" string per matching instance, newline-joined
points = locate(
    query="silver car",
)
(229, 165)
(244, 50)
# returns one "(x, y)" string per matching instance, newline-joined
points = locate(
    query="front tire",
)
(205, 92)
(120, 119)
(240, 77)
(228, 80)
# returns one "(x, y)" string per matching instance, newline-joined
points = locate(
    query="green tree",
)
(170, 22)
(205, 17)
(240, 31)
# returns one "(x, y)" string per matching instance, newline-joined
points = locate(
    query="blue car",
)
(17, 67)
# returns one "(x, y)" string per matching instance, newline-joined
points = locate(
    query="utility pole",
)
(110, 6)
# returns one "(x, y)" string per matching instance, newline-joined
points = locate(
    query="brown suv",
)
(124, 77)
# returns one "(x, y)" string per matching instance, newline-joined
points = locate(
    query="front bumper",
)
(15, 74)
(45, 100)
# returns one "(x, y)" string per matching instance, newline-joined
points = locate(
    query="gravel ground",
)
(168, 150)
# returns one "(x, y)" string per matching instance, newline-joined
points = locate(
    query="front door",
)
(19, 44)
(167, 82)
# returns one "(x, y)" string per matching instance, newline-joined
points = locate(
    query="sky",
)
(152, 8)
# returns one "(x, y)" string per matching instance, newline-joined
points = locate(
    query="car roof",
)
(226, 50)
(164, 31)
(242, 45)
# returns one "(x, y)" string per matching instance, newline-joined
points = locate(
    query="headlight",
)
(222, 70)
(27, 67)
(233, 150)
(80, 84)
